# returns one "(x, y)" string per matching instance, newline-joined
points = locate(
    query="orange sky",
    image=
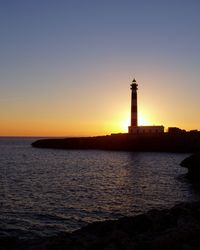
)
(97, 112)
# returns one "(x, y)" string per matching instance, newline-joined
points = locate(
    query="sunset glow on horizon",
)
(67, 66)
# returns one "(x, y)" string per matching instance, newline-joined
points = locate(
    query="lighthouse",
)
(134, 115)
(134, 108)
(134, 128)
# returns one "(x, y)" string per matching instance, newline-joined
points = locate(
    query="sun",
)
(125, 123)
(143, 120)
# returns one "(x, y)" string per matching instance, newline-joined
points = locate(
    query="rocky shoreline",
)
(177, 228)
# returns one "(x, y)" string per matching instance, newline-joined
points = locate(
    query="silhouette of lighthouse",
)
(134, 109)
(134, 128)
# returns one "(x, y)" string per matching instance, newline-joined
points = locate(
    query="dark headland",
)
(165, 142)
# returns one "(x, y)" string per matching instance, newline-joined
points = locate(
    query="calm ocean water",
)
(44, 192)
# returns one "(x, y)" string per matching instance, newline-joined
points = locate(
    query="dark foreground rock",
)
(174, 229)
(192, 163)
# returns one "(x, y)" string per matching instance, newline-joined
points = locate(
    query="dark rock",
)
(192, 163)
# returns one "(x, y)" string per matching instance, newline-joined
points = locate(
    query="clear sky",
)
(66, 65)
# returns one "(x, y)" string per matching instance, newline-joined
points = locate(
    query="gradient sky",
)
(66, 65)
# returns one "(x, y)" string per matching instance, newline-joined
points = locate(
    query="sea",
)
(44, 192)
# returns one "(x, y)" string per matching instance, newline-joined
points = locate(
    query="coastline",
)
(166, 142)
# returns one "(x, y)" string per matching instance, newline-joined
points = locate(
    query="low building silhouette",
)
(146, 130)
(175, 130)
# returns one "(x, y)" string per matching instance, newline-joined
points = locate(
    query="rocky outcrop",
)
(192, 163)
(170, 229)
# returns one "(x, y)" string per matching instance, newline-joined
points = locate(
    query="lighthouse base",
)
(146, 129)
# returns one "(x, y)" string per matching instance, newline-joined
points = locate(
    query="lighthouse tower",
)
(134, 115)
(134, 128)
